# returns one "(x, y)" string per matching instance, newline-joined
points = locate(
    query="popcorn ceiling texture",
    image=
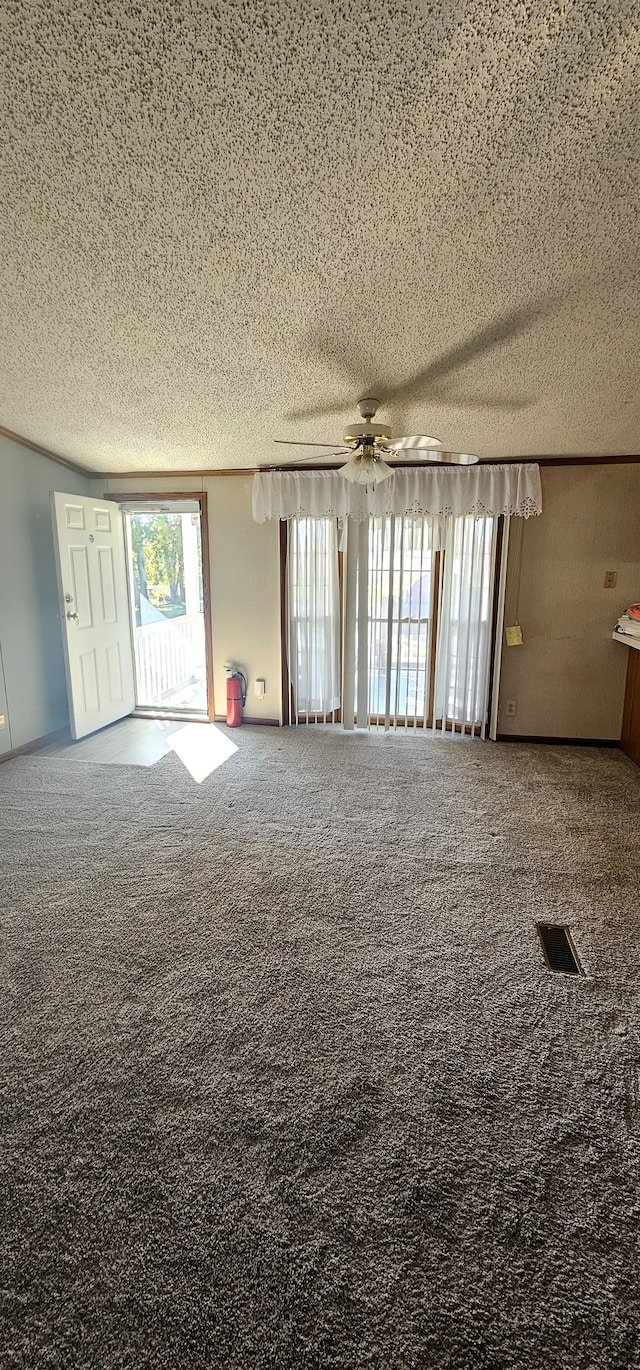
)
(213, 215)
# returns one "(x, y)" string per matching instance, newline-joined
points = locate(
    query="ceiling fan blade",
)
(414, 444)
(296, 465)
(286, 442)
(343, 452)
(435, 455)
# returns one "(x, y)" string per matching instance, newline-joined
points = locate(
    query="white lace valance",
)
(509, 488)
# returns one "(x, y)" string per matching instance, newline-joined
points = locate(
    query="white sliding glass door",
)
(414, 633)
(395, 644)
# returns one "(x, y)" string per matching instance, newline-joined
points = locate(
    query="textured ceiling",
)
(215, 215)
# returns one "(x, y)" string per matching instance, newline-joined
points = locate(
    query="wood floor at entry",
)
(130, 742)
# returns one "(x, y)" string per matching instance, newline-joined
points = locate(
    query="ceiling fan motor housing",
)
(365, 432)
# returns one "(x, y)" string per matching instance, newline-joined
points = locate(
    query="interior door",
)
(94, 611)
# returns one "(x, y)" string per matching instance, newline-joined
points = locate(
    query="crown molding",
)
(44, 452)
(211, 473)
(157, 474)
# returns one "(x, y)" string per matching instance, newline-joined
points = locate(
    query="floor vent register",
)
(558, 950)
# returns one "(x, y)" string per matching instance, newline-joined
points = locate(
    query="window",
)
(313, 618)
(416, 634)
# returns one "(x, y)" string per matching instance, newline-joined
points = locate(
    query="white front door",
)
(94, 611)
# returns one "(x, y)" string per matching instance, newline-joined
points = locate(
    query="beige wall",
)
(245, 583)
(245, 590)
(568, 678)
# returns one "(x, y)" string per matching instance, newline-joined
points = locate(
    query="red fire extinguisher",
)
(236, 695)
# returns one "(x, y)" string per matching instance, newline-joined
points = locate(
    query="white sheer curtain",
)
(395, 673)
(388, 623)
(313, 618)
(389, 603)
(465, 607)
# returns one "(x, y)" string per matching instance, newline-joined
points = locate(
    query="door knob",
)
(73, 617)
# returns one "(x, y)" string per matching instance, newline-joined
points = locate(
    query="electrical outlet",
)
(510, 708)
(260, 687)
(3, 721)
(610, 580)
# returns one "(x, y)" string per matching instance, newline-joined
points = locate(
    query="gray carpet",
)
(285, 1082)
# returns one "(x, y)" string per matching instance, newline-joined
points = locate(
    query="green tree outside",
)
(158, 560)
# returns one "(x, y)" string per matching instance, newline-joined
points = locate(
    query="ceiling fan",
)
(371, 446)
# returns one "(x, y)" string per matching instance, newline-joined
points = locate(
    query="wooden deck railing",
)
(169, 655)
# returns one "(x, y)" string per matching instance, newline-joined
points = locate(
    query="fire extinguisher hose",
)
(243, 687)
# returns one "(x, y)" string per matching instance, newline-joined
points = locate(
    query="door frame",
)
(196, 497)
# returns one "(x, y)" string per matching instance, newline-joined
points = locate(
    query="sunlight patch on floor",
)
(201, 748)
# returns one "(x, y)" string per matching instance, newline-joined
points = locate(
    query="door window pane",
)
(400, 591)
(165, 576)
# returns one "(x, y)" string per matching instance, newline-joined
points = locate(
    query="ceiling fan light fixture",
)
(366, 470)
